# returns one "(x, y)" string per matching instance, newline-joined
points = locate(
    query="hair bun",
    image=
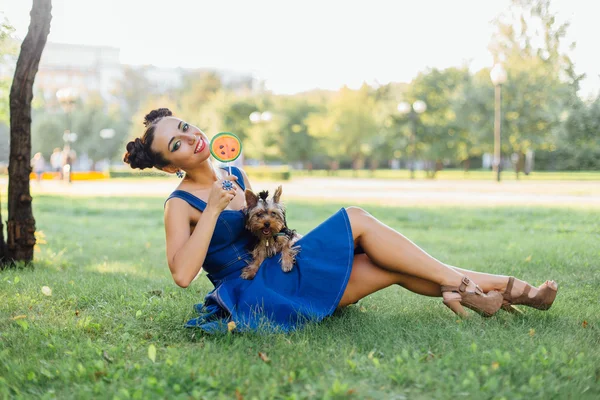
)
(136, 155)
(139, 152)
(154, 115)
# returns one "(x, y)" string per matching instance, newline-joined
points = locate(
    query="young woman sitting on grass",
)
(345, 258)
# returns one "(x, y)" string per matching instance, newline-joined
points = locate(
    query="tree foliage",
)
(578, 145)
(542, 82)
(344, 131)
(540, 109)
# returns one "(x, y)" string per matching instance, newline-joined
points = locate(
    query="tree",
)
(7, 49)
(88, 120)
(346, 129)
(474, 109)
(46, 132)
(579, 142)
(21, 224)
(439, 134)
(541, 83)
(133, 88)
(291, 137)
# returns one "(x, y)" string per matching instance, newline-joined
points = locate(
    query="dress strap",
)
(240, 178)
(192, 200)
(199, 203)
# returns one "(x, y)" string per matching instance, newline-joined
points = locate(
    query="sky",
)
(301, 45)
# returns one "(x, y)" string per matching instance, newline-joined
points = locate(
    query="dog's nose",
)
(267, 224)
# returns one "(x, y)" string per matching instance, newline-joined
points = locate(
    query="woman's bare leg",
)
(366, 278)
(388, 249)
(392, 251)
(486, 282)
(489, 282)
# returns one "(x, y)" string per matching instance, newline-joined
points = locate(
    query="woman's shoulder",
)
(185, 198)
(176, 211)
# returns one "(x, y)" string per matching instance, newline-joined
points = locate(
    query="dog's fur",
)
(265, 218)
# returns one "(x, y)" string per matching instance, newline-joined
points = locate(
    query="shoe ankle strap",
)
(463, 284)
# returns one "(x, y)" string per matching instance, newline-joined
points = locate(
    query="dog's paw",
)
(248, 273)
(287, 266)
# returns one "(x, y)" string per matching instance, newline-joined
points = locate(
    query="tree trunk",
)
(21, 225)
(467, 164)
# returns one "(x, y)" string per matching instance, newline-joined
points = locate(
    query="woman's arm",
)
(186, 250)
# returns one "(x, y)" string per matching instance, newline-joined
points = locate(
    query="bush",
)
(136, 173)
(268, 173)
(254, 173)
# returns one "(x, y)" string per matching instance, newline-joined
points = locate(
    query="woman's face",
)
(180, 143)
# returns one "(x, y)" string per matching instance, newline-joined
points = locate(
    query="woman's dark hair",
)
(139, 153)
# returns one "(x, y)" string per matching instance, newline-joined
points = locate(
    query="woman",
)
(345, 258)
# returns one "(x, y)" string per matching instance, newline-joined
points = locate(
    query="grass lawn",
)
(112, 326)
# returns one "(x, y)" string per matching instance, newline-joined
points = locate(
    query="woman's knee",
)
(354, 211)
(357, 215)
(358, 219)
(366, 278)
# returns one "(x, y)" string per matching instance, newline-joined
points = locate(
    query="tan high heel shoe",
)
(484, 304)
(542, 300)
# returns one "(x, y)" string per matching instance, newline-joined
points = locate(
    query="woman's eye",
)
(185, 127)
(176, 145)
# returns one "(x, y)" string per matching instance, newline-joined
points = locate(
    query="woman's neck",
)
(205, 175)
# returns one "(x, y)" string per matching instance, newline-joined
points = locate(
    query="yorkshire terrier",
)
(265, 218)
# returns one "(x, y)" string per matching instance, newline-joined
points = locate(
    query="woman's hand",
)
(220, 198)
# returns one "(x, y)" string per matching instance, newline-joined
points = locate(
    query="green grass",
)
(113, 299)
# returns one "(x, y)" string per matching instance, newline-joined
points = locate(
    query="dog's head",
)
(264, 216)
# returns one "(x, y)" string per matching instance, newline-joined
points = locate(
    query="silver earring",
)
(179, 173)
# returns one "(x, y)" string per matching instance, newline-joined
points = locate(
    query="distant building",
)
(98, 69)
(85, 68)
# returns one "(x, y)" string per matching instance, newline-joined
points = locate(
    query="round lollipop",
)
(226, 147)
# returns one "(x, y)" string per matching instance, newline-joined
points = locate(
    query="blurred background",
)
(319, 86)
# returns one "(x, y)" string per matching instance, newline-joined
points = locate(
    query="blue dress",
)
(274, 300)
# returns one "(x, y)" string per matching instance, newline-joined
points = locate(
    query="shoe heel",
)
(484, 304)
(455, 306)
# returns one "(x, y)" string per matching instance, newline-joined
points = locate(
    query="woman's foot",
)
(519, 292)
(470, 295)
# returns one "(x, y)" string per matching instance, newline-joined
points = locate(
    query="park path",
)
(358, 190)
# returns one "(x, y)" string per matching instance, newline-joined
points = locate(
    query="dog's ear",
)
(277, 194)
(251, 198)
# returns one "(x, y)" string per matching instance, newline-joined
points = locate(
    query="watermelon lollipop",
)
(226, 147)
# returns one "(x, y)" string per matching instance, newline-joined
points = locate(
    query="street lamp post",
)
(418, 107)
(498, 77)
(67, 98)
